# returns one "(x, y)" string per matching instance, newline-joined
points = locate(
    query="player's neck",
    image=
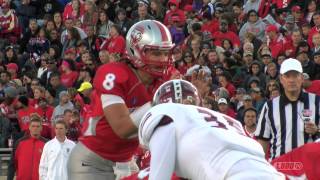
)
(144, 77)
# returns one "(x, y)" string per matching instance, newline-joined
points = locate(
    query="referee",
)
(282, 123)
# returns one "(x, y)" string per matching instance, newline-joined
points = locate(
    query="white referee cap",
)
(290, 65)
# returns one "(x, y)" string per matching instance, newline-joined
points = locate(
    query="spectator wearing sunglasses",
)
(51, 67)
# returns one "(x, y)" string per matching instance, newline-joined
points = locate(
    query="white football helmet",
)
(148, 34)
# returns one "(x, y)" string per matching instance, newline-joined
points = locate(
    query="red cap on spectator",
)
(188, 7)
(296, 8)
(13, 66)
(271, 28)
(70, 50)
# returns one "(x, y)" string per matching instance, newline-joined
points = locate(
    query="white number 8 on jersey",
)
(108, 82)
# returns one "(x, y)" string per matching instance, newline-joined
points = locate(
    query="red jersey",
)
(113, 79)
(299, 161)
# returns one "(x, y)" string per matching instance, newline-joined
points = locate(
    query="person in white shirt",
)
(198, 143)
(53, 163)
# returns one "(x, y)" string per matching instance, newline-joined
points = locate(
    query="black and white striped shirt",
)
(281, 123)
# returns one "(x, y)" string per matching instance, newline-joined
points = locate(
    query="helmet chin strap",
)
(142, 75)
(152, 73)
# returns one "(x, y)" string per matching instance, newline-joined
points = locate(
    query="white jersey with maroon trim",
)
(208, 143)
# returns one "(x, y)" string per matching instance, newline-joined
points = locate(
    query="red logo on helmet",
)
(136, 35)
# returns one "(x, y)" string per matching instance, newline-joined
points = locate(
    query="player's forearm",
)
(129, 132)
(163, 150)
(125, 130)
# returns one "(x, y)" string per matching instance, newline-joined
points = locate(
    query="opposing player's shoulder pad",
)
(108, 75)
(167, 109)
(151, 119)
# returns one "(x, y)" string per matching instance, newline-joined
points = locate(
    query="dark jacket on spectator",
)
(5, 131)
(309, 68)
(124, 26)
(44, 79)
(25, 39)
(25, 13)
(48, 7)
(38, 45)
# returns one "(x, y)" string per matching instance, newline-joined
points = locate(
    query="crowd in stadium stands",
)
(51, 49)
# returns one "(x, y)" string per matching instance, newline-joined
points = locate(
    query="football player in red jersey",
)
(123, 95)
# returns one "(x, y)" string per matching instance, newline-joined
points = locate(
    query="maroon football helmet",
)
(177, 91)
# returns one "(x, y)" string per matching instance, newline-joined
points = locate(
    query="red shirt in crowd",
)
(231, 90)
(8, 23)
(219, 36)
(281, 3)
(74, 131)
(312, 32)
(230, 112)
(34, 103)
(114, 45)
(24, 117)
(314, 88)
(177, 12)
(276, 46)
(289, 46)
(46, 113)
(69, 79)
(68, 11)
